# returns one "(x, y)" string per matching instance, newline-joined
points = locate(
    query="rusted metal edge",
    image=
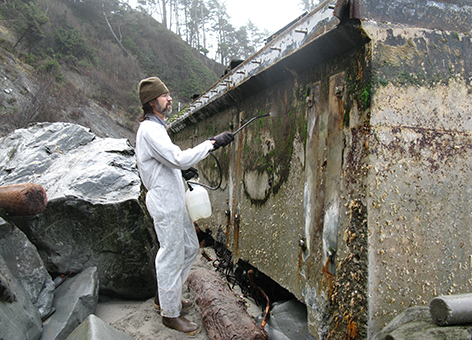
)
(347, 9)
(304, 32)
(313, 32)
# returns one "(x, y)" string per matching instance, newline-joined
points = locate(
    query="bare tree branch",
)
(114, 35)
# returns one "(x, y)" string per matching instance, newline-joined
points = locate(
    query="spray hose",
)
(206, 186)
(216, 159)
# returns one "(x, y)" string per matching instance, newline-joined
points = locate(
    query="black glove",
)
(222, 139)
(190, 173)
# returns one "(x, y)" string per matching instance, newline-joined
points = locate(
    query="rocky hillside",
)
(26, 98)
(81, 62)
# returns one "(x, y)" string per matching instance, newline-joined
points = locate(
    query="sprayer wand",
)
(218, 163)
(248, 122)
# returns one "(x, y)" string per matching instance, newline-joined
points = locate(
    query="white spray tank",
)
(198, 202)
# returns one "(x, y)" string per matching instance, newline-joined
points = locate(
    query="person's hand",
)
(190, 173)
(222, 140)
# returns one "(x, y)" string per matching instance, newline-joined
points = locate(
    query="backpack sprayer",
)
(196, 197)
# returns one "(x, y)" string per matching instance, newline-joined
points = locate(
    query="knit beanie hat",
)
(151, 88)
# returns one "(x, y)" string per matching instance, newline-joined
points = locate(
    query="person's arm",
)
(166, 152)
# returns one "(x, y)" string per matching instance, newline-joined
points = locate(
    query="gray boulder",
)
(415, 323)
(287, 320)
(75, 299)
(19, 319)
(93, 328)
(95, 215)
(23, 261)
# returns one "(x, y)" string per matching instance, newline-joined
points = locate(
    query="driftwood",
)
(23, 199)
(223, 313)
(451, 310)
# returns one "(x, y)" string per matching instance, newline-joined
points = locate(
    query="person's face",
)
(163, 104)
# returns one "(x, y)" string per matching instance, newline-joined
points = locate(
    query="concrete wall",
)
(284, 192)
(355, 194)
(419, 190)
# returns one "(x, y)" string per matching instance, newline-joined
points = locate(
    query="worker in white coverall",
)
(161, 165)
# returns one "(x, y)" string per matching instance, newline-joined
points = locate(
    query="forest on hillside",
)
(82, 50)
(92, 50)
(206, 24)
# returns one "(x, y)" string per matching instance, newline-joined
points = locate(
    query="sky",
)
(265, 14)
(270, 15)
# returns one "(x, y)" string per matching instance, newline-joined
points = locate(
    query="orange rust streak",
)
(351, 330)
(252, 281)
(330, 278)
(300, 262)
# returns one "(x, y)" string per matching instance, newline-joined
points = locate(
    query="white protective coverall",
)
(160, 163)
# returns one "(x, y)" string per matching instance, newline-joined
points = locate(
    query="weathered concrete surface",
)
(355, 194)
(419, 196)
(452, 15)
(298, 193)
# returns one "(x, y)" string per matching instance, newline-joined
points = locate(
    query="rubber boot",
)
(186, 305)
(181, 324)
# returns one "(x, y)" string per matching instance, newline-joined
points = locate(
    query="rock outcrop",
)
(20, 318)
(94, 216)
(23, 261)
(94, 328)
(75, 299)
(415, 323)
(288, 320)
